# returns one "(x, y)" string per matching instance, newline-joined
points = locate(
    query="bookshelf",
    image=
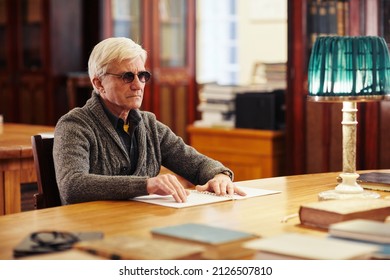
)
(166, 29)
(36, 47)
(313, 130)
(327, 18)
(384, 20)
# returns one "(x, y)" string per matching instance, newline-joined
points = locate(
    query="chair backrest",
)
(48, 194)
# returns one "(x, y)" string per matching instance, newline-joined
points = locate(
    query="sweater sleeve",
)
(185, 160)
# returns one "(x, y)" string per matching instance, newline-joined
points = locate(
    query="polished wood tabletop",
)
(265, 215)
(16, 162)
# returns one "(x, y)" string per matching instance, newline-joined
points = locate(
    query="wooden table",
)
(16, 162)
(261, 215)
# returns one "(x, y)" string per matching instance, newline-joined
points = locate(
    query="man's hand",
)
(167, 184)
(221, 184)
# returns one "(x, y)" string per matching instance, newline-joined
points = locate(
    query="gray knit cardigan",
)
(92, 164)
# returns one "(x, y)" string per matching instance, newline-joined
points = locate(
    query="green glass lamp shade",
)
(343, 68)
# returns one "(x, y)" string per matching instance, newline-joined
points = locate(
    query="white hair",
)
(112, 49)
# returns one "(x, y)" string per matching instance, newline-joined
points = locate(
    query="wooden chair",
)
(48, 194)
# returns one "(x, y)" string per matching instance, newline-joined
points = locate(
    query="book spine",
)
(340, 18)
(322, 19)
(313, 21)
(332, 17)
(346, 17)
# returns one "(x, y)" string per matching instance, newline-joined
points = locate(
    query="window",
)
(217, 42)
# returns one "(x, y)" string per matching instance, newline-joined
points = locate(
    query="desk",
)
(16, 162)
(261, 215)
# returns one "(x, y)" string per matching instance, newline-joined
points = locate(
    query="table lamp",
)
(349, 69)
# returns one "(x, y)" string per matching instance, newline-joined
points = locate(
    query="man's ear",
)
(97, 83)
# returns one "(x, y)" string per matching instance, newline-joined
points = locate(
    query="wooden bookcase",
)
(40, 43)
(250, 153)
(313, 130)
(166, 29)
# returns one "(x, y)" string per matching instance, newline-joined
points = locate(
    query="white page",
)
(198, 198)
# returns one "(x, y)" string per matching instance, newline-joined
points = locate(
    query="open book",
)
(200, 198)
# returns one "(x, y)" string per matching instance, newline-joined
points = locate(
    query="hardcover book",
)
(138, 248)
(321, 214)
(375, 181)
(379, 181)
(291, 246)
(218, 242)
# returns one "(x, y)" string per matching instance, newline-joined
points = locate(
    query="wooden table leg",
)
(12, 191)
(2, 195)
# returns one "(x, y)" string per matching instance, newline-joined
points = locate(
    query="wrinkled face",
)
(118, 95)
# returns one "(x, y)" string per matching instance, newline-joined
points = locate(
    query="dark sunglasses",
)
(55, 240)
(128, 77)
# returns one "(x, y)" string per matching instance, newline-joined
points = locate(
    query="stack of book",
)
(217, 102)
(217, 105)
(273, 75)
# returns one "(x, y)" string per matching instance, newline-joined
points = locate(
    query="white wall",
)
(262, 34)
